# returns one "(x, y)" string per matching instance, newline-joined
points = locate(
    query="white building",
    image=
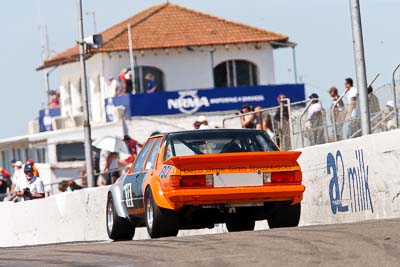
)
(184, 50)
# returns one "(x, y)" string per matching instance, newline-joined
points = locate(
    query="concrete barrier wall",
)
(67, 217)
(346, 181)
(352, 180)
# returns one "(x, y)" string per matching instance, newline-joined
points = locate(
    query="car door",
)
(148, 169)
(130, 182)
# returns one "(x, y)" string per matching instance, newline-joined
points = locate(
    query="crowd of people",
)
(125, 84)
(346, 117)
(276, 125)
(22, 184)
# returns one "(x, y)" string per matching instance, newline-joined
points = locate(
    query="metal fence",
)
(292, 126)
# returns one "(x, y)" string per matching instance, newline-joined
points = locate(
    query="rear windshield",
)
(201, 142)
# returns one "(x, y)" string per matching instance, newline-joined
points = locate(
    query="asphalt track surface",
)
(369, 243)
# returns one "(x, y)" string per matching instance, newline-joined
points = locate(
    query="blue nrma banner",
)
(203, 100)
(45, 118)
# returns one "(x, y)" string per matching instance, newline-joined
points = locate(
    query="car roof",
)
(196, 131)
(211, 131)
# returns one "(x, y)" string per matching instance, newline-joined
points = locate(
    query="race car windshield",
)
(201, 142)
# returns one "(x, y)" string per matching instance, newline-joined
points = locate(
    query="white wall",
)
(184, 69)
(375, 159)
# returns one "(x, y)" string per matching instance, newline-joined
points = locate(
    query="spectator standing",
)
(113, 166)
(340, 112)
(31, 187)
(151, 84)
(121, 77)
(374, 106)
(54, 99)
(102, 180)
(352, 121)
(132, 146)
(263, 121)
(17, 176)
(247, 120)
(128, 83)
(112, 87)
(203, 123)
(315, 121)
(281, 121)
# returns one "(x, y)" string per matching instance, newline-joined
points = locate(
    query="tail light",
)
(197, 180)
(282, 177)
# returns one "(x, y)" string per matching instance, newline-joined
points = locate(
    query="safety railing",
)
(292, 130)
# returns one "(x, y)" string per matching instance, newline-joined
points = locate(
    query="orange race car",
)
(194, 179)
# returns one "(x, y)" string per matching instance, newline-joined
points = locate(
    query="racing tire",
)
(285, 216)
(240, 223)
(159, 222)
(118, 228)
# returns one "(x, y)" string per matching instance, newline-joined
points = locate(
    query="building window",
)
(235, 73)
(70, 152)
(148, 77)
(41, 155)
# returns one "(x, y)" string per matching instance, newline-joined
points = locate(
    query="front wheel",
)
(159, 222)
(118, 228)
(285, 216)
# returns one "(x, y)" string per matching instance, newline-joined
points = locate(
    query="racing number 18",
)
(128, 195)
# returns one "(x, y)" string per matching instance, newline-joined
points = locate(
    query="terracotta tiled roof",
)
(171, 26)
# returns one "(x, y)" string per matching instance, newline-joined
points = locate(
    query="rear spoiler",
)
(236, 160)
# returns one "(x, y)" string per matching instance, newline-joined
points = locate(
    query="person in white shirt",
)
(203, 123)
(315, 121)
(352, 123)
(17, 176)
(112, 87)
(31, 187)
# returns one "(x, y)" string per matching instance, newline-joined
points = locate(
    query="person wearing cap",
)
(389, 115)
(35, 170)
(31, 187)
(315, 121)
(203, 123)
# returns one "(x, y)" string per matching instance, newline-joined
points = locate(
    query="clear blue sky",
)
(322, 30)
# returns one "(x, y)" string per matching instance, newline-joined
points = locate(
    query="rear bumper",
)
(182, 197)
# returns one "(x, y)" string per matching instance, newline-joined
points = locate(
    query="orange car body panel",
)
(171, 197)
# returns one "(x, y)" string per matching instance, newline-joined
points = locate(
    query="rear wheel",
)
(285, 216)
(159, 222)
(118, 228)
(240, 222)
